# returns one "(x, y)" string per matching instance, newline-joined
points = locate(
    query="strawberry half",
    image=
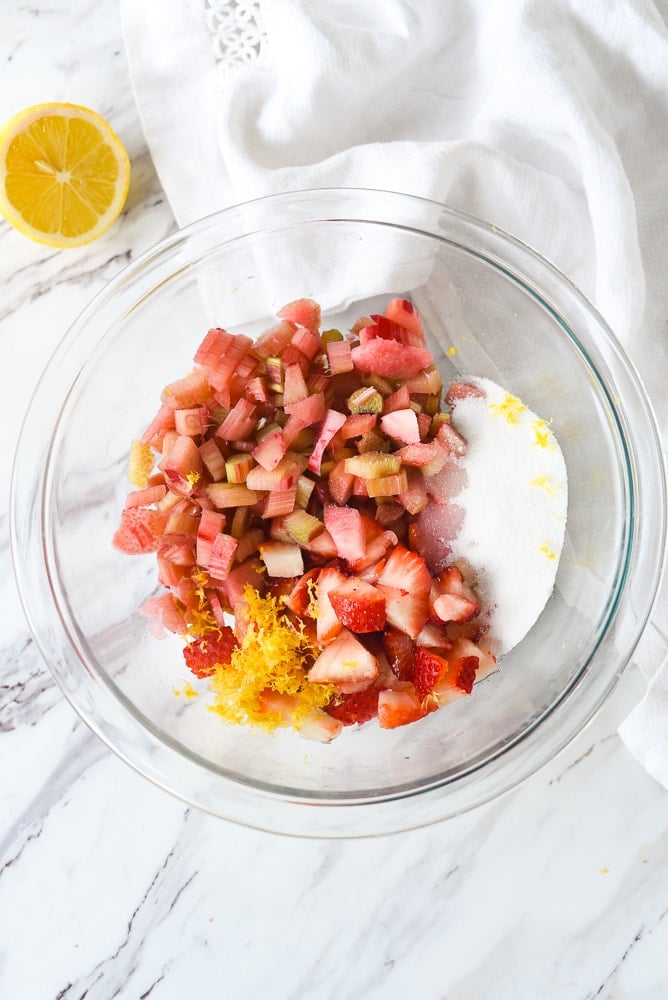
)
(202, 655)
(346, 664)
(358, 605)
(400, 653)
(352, 708)
(398, 708)
(428, 669)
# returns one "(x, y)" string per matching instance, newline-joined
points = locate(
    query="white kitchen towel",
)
(548, 118)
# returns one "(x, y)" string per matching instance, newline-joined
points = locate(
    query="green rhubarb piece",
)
(274, 373)
(305, 488)
(237, 468)
(372, 465)
(379, 383)
(302, 527)
(438, 420)
(330, 336)
(365, 400)
(373, 440)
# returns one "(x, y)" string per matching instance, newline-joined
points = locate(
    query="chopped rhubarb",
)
(210, 525)
(383, 357)
(402, 425)
(347, 530)
(222, 554)
(296, 477)
(302, 312)
(333, 421)
(282, 559)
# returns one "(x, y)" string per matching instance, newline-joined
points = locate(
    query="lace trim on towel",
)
(237, 36)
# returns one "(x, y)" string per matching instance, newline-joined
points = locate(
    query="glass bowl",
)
(512, 317)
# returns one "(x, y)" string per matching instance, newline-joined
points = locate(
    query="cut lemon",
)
(64, 174)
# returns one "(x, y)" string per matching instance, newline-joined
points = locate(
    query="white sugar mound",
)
(514, 506)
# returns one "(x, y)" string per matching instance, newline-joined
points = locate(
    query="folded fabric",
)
(547, 118)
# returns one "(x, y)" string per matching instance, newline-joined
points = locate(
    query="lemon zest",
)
(192, 478)
(273, 656)
(543, 482)
(547, 551)
(543, 434)
(510, 408)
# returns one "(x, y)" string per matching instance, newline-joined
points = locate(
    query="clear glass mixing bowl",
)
(513, 318)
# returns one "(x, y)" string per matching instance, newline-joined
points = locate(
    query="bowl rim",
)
(435, 807)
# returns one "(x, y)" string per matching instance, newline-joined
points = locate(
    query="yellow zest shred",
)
(202, 623)
(543, 482)
(542, 434)
(510, 408)
(189, 691)
(201, 579)
(140, 464)
(273, 656)
(192, 479)
(547, 551)
(451, 351)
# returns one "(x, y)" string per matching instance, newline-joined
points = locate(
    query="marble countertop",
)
(111, 888)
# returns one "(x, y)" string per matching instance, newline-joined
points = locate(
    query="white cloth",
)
(547, 117)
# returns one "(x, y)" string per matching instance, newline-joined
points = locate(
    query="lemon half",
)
(64, 174)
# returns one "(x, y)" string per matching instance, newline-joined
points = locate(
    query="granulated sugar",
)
(514, 508)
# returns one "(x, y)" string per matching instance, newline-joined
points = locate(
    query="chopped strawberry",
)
(407, 570)
(398, 708)
(455, 600)
(434, 637)
(204, 654)
(358, 605)
(458, 679)
(299, 597)
(163, 613)
(467, 667)
(140, 530)
(346, 664)
(400, 652)
(429, 667)
(352, 708)
(328, 624)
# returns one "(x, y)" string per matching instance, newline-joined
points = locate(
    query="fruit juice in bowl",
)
(498, 323)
